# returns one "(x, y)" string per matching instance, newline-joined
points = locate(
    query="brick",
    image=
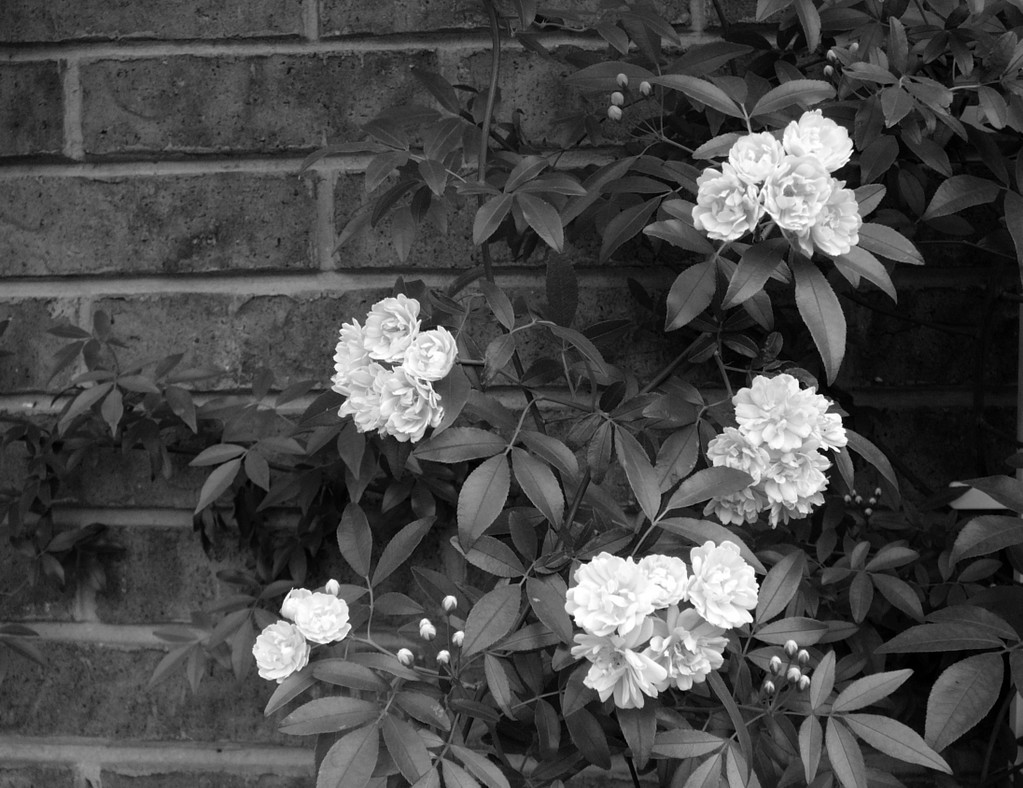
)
(37, 777)
(112, 779)
(151, 224)
(95, 691)
(734, 11)
(37, 21)
(32, 360)
(111, 478)
(20, 600)
(31, 109)
(274, 103)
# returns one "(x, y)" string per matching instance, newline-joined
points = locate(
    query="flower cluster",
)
(386, 370)
(782, 431)
(789, 180)
(638, 636)
(315, 617)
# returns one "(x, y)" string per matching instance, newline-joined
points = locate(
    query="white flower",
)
(795, 482)
(332, 587)
(837, 228)
(732, 449)
(365, 387)
(619, 669)
(687, 647)
(280, 650)
(815, 135)
(611, 594)
(722, 587)
(349, 355)
(755, 156)
(390, 327)
(831, 432)
(431, 354)
(726, 206)
(669, 577)
(738, 508)
(405, 657)
(796, 192)
(776, 412)
(321, 618)
(427, 631)
(408, 406)
(457, 638)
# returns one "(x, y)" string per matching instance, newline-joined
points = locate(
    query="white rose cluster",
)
(313, 617)
(783, 430)
(386, 370)
(789, 180)
(654, 624)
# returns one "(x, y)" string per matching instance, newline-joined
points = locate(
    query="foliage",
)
(554, 447)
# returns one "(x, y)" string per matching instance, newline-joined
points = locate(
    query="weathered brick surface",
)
(202, 780)
(31, 119)
(30, 366)
(31, 21)
(123, 480)
(269, 104)
(20, 600)
(37, 777)
(97, 691)
(152, 224)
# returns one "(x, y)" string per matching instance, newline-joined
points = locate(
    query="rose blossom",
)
(755, 156)
(796, 192)
(321, 618)
(669, 577)
(611, 594)
(837, 228)
(722, 587)
(726, 206)
(619, 669)
(390, 327)
(365, 389)
(815, 135)
(408, 406)
(431, 354)
(687, 647)
(739, 507)
(732, 449)
(349, 355)
(794, 483)
(280, 650)
(776, 412)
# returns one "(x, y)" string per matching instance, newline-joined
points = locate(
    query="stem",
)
(488, 117)
(724, 373)
(632, 771)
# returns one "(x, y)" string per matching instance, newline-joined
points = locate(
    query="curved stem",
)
(488, 117)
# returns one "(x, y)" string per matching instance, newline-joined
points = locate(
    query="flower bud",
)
(791, 647)
(868, 511)
(872, 500)
(646, 88)
(804, 683)
(614, 113)
(617, 98)
(794, 674)
(775, 665)
(769, 687)
(443, 657)
(877, 492)
(449, 603)
(854, 47)
(458, 637)
(622, 80)
(858, 499)
(803, 656)
(832, 56)
(427, 631)
(406, 657)
(847, 498)
(333, 587)
(829, 71)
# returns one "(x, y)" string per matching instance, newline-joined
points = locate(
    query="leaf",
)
(960, 192)
(780, 586)
(490, 619)
(986, 534)
(494, 556)
(822, 681)
(844, 754)
(480, 767)
(482, 498)
(543, 218)
(804, 92)
(424, 708)
(546, 596)
(755, 267)
(958, 636)
(454, 392)
(639, 727)
(821, 311)
(562, 286)
(538, 483)
(1004, 489)
(406, 747)
(289, 689)
(810, 21)
(215, 455)
(180, 402)
(585, 347)
(639, 472)
(706, 484)
(975, 617)
(885, 241)
(326, 715)
(589, 737)
(217, 483)
(699, 531)
(552, 450)
(1014, 221)
(257, 469)
(691, 293)
(962, 697)
(401, 546)
(83, 402)
(458, 444)
(624, 226)
(869, 690)
(681, 743)
(680, 234)
(498, 354)
(874, 456)
(499, 304)
(805, 631)
(700, 90)
(112, 409)
(603, 76)
(350, 762)
(342, 673)
(355, 539)
(900, 594)
(529, 638)
(439, 87)
(863, 263)
(677, 456)
(811, 744)
(895, 739)
(456, 777)
(489, 217)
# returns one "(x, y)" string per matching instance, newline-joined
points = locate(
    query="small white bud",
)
(775, 665)
(406, 657)
(832, 56)
(868, 511)
(617, 98)
(847, 498)
(858, 499)
(872, 500)
(333, 587)
(614, 113)
(804, 683)
(803, 656)
(854, 47)
(443, 657)
(622, 80)
(829, 71)
(646, 88)
(449, 603)
(427, 631)
(877, 491)
(769, 687)
(794, 674)
(791, 647)
(458, 637)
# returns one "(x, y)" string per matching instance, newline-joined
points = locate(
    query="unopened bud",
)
(775, 665)
(804, 683)
(622, 80)
(877, 491)
(854, 47)
(858, 499)
(868, 511)
(794, 674)
(803, 656)
(333, 587)
(617, 98)
(646, 88)
(769, 687)
(427, 631)
(829, 71)
(791, 647)
(832, 56)
(847, 498)
(614, 113)
(458, 637)
(872, 500)
(449, 603)
(443, 657)
(406, 657)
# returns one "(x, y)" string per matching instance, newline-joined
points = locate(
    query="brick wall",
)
(148, 167)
